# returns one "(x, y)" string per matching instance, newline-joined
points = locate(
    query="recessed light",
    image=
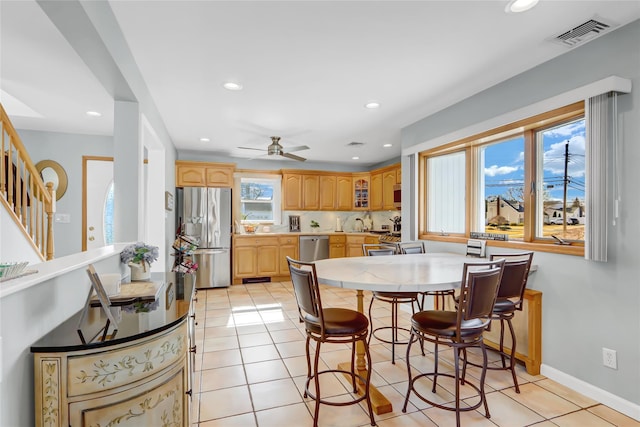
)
(387, 145)
(516, 6)
(372, 105)
(93, 114)
(232, 86)
(204, 140)
(355, 158)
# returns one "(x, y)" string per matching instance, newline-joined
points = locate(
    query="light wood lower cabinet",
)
(337, 246)
(354, 244)
(262, 256)
(140, 382)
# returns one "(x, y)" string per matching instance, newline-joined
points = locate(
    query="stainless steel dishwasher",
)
(313, 248)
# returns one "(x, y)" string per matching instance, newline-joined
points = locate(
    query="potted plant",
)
(139, 257)
(314, 225)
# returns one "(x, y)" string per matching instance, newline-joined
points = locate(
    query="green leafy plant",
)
(314, 224)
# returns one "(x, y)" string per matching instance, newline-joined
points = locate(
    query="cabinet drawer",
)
(337, 239)
(288, 240)
(256, 241)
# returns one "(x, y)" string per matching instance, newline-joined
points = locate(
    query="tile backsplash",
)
(328, 220)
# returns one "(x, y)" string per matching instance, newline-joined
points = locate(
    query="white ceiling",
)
(307, 67)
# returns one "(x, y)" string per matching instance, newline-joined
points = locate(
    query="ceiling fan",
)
(276, 149)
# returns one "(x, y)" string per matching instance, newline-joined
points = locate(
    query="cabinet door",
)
(190, 176)
(288, 248)
(344, 191)
(311, 192)
(399, 175)
(388, 182)
(337, 250)
(220, 177)
(328, 192)
(361, 192)
(163, 401)
(376, 191)
(267, 260)
(244, 261)
(291, 192)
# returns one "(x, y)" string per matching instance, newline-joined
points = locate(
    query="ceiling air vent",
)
(584, 32)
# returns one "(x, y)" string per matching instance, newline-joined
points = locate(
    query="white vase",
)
(140, 272)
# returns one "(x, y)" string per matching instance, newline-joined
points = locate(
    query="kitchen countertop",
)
(314, 233)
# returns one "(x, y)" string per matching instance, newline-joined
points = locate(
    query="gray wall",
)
(67, 149)
(586, 305)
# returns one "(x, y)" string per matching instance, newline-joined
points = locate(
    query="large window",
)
(260, 200)
(524, 180)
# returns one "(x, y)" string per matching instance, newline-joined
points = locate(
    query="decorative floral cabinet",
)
(141, 376)
(144, 382)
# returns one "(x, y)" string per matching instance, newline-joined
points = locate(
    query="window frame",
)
(276, 202)
(527, 128)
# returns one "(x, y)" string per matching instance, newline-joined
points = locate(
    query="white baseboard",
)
(626, 407)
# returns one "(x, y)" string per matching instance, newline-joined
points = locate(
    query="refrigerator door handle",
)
(208, 251)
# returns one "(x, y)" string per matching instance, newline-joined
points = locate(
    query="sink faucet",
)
(361, 227)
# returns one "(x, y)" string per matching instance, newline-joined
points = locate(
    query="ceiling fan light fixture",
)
(372, 105)
(232, 86)
(517, 6)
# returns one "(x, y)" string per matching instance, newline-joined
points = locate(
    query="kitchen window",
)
(260, 200)
(525, 180)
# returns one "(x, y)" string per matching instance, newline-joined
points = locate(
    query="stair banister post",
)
(51, 210)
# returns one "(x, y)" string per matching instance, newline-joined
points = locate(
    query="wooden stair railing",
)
(29, 200)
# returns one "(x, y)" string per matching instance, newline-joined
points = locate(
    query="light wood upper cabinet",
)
(328, 193)
(291, 192)
(344, 193)
(388, 182)
(218, 176)
(204, 174)
(190, 176)
(399, 175)
(376, 191)
(361, 191)
(311, 192)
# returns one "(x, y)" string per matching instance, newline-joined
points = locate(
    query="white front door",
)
(98, 216)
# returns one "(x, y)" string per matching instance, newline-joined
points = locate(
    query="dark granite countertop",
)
(171, 307)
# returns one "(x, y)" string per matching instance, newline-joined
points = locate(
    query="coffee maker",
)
(294, 223)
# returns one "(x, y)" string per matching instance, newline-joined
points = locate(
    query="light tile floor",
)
(251, 368)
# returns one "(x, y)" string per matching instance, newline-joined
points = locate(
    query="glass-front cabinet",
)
(361, 191)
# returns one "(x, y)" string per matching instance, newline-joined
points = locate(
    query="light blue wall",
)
(586, 305)
(67, 150)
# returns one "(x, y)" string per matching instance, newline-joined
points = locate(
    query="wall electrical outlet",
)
(609, 358)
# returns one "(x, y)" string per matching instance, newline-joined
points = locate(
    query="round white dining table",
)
(395, 273)
(391, 273)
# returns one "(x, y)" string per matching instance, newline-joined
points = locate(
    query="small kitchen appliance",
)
(294, 223)
(396, 223)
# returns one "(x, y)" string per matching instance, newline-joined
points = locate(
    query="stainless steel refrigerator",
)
(205, 213)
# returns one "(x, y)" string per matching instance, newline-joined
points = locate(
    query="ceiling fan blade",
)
(293, 156)
(298, 148)
(251, 148)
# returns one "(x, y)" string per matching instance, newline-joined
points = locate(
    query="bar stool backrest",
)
(478, 293)
(306, 291)
(374, 249)
(515, 276)
(412, 248)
